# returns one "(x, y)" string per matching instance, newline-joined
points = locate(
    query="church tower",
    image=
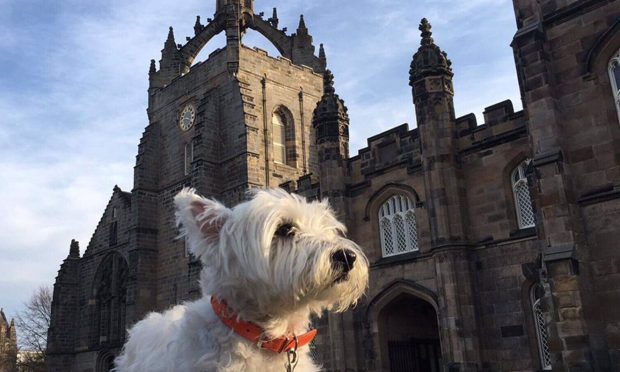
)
(239, 119)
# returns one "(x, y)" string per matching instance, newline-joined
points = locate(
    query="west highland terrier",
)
(268, 265)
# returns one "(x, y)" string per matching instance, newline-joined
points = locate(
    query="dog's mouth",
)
(341, 277)
(342, 261)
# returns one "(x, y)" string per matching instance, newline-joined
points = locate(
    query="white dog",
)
(268, 264)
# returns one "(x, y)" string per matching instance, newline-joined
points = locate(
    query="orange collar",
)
(254, 333)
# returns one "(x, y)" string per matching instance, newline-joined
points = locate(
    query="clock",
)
(186, 119)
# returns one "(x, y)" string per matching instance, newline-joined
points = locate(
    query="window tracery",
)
(521, 193)
(397, 225)
(110, 298)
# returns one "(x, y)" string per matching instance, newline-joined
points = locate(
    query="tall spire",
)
(330, 118)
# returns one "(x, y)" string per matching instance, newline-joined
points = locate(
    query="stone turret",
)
(431, 80)
(429, 61)
(430, 77)
(331, 123)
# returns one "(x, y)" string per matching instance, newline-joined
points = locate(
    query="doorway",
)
(409, 335)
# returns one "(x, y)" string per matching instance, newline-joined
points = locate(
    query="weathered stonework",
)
(8, 344)
(469, 298)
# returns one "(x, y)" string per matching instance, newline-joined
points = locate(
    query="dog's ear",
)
(199, 219)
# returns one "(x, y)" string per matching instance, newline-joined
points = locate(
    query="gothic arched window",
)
(283, 130)
(521, 192)
(614, 78)
(397, 226)
(110, 292)
(540, 324)
(279, 137)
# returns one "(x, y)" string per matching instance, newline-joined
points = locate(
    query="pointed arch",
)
(394, 290)
(422, 332)
(385, 192)
(194, 46)
(278, 38)
(601, 44)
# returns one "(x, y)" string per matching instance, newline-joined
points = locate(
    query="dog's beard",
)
(312, 278)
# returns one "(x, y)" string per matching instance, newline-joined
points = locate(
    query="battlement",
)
(286, 60)
(396, 146)
(501, 124)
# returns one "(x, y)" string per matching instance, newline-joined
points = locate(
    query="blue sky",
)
(73, 97)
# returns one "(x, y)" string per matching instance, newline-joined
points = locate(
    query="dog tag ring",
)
(291, 356)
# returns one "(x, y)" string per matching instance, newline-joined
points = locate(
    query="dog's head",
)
(273, 255)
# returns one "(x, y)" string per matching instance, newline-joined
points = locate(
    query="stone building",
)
(492, 246)
(8, 344)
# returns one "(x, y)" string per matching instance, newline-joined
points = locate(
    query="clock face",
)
(186, 119)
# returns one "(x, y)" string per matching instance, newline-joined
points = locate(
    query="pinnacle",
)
(426, 33)
(302, 23)
(274, 18)
(74, 249)
(328, 82)
(170, 40)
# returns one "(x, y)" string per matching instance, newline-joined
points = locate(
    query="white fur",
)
(275, 282)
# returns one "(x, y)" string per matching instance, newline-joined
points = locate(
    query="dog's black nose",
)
(344, 259)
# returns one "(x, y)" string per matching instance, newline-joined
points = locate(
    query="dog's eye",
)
(285, 230)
